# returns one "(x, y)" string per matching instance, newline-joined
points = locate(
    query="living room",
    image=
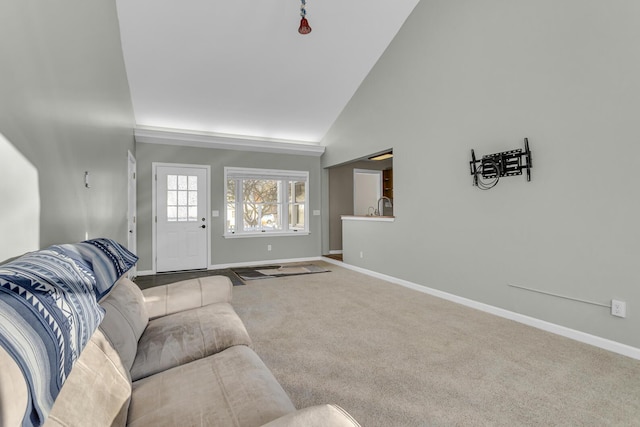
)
(553, 251)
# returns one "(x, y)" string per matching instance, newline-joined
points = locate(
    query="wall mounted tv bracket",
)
(488, 170)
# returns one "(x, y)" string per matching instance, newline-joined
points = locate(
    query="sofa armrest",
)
(97, 392)
(187, 294)
(316, 416)
(14, 395)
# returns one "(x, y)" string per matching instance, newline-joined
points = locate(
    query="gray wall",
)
(235, 250)
(65, 108)
(484, 75)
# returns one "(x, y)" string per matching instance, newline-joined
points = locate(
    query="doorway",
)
(181, 235)
(132, 231)
(341, 196)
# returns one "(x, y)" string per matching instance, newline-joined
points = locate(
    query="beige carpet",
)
(392, 356)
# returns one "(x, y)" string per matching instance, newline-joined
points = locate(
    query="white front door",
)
(182, 226)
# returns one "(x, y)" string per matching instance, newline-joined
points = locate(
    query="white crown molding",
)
(225, 142)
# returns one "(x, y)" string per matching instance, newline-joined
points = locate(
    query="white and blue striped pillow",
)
(106, 258)
(49, 310)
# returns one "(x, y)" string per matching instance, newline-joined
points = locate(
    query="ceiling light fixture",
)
(304, 24)
(382, 156)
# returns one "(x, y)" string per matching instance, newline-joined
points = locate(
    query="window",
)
(266, 201)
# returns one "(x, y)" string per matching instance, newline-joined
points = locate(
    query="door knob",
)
(203, 226)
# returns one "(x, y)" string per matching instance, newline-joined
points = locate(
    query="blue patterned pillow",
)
(106, 258)
(48, 312)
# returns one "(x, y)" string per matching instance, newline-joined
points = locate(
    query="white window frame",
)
(286, 177)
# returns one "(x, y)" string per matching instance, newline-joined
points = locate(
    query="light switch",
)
(215, 214)
(316, 213)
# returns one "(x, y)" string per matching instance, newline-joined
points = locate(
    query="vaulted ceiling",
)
(240, 68)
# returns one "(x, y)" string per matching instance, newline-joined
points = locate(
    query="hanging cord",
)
(488, 184)
(303, 10)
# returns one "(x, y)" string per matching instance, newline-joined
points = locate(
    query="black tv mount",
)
(488, 170)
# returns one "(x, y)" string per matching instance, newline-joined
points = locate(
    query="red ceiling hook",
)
(304, 26)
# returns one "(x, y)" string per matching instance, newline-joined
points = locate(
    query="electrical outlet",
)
(361, 254)
(268, 247)
(618, 308)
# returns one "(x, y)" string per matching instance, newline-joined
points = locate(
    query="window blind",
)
(285, 175)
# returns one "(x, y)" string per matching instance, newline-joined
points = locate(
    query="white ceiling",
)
(241, 68)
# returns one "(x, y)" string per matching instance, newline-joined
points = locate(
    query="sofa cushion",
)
(187, 294)
(125, 319)
(186, 336)
(97, 392)
(230, 388)
(316, 416)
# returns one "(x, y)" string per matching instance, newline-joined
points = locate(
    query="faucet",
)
(388, 200)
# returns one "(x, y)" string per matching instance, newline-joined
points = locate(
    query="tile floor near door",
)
(150, 281)
(145, 282)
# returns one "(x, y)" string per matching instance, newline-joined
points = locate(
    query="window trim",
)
(288, 176)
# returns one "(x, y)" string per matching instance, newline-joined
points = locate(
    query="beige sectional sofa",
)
(173, 355)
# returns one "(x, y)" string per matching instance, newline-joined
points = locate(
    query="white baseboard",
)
(145, 273)
(606, 344)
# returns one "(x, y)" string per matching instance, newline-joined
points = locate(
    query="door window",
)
(182, 198)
